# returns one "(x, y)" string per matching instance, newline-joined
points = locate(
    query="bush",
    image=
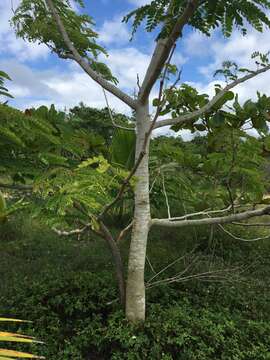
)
(76, 319)
(67, 288)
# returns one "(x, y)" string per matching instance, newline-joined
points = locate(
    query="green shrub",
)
(67, 288)
(76, 319)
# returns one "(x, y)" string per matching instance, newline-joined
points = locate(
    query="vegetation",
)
(70, 297)
(70, 35)
(74, 183)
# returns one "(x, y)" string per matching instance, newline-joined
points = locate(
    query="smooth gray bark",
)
(212, 221)
(135, 291)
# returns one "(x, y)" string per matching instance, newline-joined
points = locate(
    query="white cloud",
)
(26, 83)
(126, 63)
(197, 44)
(64, 87)
(139, 2)
(12, 45)
(77, 86)
(114, 32)
(237, 48)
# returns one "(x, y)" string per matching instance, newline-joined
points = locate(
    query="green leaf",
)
(4, 75)
(200, 127)
(217, 120)
(228, 96)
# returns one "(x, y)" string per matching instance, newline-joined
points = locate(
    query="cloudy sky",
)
(40, 78)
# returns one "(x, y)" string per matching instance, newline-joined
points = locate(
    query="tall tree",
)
(70, 36)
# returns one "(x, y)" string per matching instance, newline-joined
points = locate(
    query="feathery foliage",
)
(122, 149)
(33, 22)
(211, 14)
(3, 90)
(64, 165)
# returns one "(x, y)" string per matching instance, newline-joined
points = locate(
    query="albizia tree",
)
(70, 35)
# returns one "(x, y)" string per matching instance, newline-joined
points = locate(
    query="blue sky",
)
(40, 78)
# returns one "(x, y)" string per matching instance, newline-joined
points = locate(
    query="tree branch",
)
(204, 212)
(197, 113)
(211, 221)
(251, 224)
(84, 64)
(240, 238)
(111, 115)
(163, 49)
(72, 232)
(169, 266)
(166, 197)
(214, 275)
(124, 232)
(118, 261)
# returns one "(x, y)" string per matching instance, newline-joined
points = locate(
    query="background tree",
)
(70, 36)
(98, 121)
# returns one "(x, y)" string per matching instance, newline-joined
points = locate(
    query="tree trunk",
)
(135, 293)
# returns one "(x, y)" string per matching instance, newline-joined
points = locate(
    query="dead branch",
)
(111, 115)
(240, 238)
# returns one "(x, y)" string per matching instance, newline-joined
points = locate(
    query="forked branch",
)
(163, 50)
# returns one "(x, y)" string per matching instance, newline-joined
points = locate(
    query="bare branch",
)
(205, 212)
(212, 275)
(163, 49)
(84, 64)
(211, 221)
(105, 234)
(123, 232)
(193, 260)
(117, 260)
(71, 232)
(12, 7)
(150, 265)
(153, 183)
(138, 82)
(240, 238)
(251, 224)
(197, 113)
(169, 266)
(166, 197)
(111, 115)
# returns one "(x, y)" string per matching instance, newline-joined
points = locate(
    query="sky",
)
(40, 78)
